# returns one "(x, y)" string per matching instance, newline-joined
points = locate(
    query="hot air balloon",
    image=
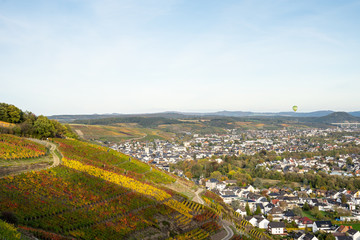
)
(295, 108)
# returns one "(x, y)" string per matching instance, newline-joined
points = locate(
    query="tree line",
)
(27, 124)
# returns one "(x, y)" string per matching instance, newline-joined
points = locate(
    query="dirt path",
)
(197, 198)
(138, 138)
(52, 147)
(79, 132)
(27, 167)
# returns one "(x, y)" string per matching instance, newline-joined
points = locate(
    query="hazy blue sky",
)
(132, 56)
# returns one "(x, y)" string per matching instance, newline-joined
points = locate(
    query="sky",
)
(142, 56)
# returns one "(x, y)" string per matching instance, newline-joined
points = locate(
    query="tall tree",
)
(247, 209)
(258, 210)
(43, 127)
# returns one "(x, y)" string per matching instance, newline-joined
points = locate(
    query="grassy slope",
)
(58, 200)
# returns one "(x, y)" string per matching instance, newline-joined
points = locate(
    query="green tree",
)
(10, 113)
(247, 209)
(43, 127)
(257, 183)
(235, 204)
(196, 170)
(188, 175)
(343, 199)
(14, 114)
(59, 129)
(297, 211)
(258, 210)
(306, 207)
(329, 236)
(217, 175)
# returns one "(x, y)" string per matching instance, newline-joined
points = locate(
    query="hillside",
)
(336, 117)
(118, 132)
(13, 120)
(195, 115)
(98, 193)
(143, 121)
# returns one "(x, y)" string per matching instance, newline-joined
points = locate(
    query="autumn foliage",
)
(12, 147)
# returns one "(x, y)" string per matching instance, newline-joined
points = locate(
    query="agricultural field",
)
(13, 148)
(99, 193)
(19, 154)
(111, 160)
(190, 126)
(7, 125)
(252, 125)
(118, 132)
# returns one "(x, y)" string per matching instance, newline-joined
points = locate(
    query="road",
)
(228, 230)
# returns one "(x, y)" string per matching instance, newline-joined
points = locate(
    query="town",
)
(162, 153)
(299, 212)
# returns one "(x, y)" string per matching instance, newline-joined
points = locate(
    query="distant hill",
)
(70, 118)
(143, 121)
(309, 114)
(338, 117)
(356, 114)
(269, 114)
(194, 115)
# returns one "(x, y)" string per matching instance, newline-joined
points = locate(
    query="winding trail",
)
(197, 198)
(138, 138)
(52, 148)
(25, 167)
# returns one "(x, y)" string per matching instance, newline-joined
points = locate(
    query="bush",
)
(9, 217)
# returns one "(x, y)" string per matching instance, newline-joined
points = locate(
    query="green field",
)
(355, 226)
(308, 214)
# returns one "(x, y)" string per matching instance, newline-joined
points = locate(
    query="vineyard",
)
(12, 147)
(111, 160)
(101, 194)
(8, 231)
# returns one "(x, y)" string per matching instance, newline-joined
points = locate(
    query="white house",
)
(228, 197)
(355, 234)
(220, 186)
(251, 189)
(211, 183)
(276, 228)
(264, 223)
(325, 226)
(258, 221)
(252, 220)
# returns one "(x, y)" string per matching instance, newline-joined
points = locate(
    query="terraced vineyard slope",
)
(97, 193)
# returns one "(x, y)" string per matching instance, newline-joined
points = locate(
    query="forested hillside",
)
(15, 121)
